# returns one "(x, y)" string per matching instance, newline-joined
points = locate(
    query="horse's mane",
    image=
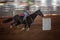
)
(35, 12)
(33, 15)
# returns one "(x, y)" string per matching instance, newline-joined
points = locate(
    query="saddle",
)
(21, 17)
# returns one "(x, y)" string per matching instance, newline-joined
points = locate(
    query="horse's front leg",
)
(28, 27)
(24, 28)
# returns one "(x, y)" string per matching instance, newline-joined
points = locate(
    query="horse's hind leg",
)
(12, 24)
(17, 24)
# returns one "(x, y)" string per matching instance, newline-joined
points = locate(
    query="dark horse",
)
(29, 20)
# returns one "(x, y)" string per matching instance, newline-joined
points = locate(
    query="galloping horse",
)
(29, 20)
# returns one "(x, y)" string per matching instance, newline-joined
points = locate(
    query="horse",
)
(27, 23)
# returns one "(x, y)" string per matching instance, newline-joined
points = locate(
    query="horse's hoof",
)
(27, 29)
(22, 29)
(10, 26)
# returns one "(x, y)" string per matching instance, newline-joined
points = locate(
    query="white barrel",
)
(46, 24)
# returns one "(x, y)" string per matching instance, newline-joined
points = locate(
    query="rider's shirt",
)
(25, 14)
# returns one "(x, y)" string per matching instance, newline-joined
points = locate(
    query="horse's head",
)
(38, 12)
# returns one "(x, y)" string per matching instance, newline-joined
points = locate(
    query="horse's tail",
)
(7, 20)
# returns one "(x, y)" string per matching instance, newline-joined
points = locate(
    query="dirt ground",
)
(35, 32)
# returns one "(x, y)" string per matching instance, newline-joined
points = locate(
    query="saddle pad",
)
(21, 14)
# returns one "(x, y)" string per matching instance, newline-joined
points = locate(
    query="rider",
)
(26, 12)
